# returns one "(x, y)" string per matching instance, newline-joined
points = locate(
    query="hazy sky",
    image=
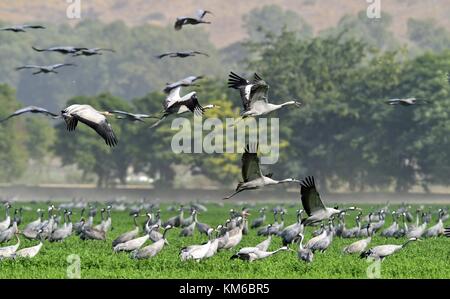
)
(227, 20)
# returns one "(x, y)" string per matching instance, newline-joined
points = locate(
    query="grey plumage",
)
(305, 254)
(63, 49)
(185, 82)
(181, 54)
(260, 220)
(360, 245)
(45, 68)
(188, 230)
(9, 233)
(91, 52)
(5, 223)
(382, 251)
(90, 233)
(264, 245)
(153, 249)
(65, 231)
(390, 231)
(320, 242)
(128, 235)
(92, 118)
(437, 229)
(291, 232)
(30, 109)
(131, 116)
(352, 232)
(7, 251)
(21, 28)
(202, 228)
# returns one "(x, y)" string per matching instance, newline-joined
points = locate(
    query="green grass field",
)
(427, 259)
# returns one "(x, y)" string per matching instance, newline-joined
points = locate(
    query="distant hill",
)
(227, 21)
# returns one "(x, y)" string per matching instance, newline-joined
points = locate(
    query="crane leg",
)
(235, 123)
(158, 122)
(230, 196)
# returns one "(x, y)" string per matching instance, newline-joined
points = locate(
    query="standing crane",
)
(128, 235)
(382, 251)
(304, 253)
(360, 245)
(437, 229)
(9, 250)
(152, 249)
(291, 232)
(260, 220)
(5, 223)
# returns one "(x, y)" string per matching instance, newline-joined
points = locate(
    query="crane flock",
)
(229, 234)
(57, 225)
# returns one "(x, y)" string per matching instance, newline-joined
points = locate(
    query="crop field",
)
(428, 258)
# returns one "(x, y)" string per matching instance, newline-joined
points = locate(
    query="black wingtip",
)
(235, 81)
(257, 77)
(251, 148)
(112, 142)
(308, 182)
(364, 254)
